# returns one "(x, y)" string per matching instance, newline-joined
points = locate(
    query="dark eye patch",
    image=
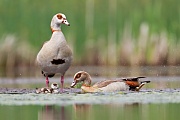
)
(55, 84)
(59, 16)
(78, 75)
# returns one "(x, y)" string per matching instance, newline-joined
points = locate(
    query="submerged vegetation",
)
(103, 32)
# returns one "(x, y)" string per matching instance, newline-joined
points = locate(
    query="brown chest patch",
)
(132, 83)
(57, 61)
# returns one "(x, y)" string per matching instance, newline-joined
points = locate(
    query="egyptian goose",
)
(55, 55)
(107, 85)
(53, 89)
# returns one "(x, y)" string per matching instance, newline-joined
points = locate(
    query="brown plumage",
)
(107, 85)
(45, 90)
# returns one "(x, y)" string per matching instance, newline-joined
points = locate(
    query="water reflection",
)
(51, 112)
(135, 111)
(82, 111)
(106, 71)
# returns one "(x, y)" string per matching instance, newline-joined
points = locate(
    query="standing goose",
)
(107, 85)
(55, 55)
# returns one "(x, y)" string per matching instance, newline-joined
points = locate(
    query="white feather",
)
(115, 86)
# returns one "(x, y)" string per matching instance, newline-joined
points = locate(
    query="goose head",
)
(53, 89)
(81, 76)
(57, 20)
(54, 86)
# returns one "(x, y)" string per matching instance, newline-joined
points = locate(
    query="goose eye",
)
(64, 21)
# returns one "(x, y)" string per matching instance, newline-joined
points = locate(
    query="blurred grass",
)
(103, 32)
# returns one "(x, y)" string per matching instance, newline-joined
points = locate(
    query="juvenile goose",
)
(107, 85)
(55, 55)
(53, 89)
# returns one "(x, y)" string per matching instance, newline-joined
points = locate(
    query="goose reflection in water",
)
(51, 112)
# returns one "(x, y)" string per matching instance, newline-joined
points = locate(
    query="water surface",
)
(134, 111)
(158, 100)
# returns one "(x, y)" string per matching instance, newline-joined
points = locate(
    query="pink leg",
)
(47, 82)
(62, 83)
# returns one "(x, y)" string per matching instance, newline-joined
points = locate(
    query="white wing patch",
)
(115, 86)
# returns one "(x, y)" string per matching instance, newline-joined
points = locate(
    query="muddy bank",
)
(70, 97)
(16, 91)
(74, 90)
(27, 91)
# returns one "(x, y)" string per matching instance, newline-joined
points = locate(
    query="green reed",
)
(102, 32)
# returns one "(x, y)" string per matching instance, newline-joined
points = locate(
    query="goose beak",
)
(66, 22)
(73, 84)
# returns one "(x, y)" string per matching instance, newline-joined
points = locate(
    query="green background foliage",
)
(98, 28)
